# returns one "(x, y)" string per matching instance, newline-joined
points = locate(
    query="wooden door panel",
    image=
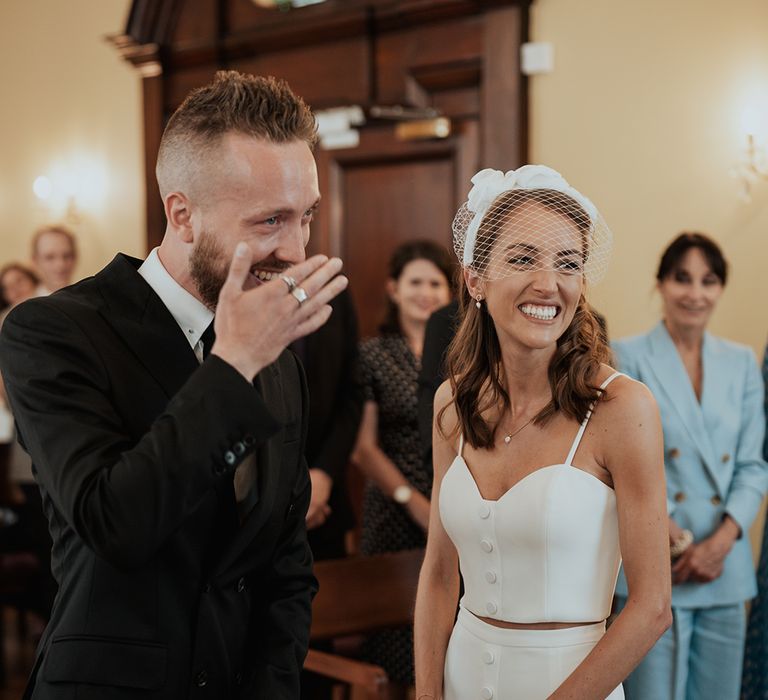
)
(386, 192)
(386, 204)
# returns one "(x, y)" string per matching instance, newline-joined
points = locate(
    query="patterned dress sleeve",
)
(367, 371)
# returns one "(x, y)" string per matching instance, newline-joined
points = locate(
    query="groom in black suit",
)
(167, 443)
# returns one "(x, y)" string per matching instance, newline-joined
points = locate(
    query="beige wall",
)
(645, 112)
(70, 109)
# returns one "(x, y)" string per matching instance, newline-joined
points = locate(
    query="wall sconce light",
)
(752, 168)
(69, 189)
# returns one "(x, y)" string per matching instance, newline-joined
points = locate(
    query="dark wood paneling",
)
(458, 103)
(449, 53)
(504, 90)
(153, 131)
(325, 76)
(195, 27)
(386, 204)
(386, 192)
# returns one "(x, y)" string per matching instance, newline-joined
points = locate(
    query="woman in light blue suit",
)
(710, 395)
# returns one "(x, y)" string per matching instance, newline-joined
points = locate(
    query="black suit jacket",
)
(162, 593)
(438, 335)
(336, 404)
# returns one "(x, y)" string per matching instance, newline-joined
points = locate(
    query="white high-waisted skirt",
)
(484, 662)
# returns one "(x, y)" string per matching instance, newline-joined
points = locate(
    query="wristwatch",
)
(402, 494)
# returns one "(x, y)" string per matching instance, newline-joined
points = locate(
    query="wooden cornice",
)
(150, 26)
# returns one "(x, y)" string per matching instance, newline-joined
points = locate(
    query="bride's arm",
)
(633, 452)
(438, 591)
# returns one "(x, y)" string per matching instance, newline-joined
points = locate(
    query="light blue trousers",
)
(698, 658)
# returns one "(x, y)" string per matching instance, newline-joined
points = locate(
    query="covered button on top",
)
(488, 657)
(486, 545)
(483, 510)
(491, 607)
(490, 576)
(486, 693)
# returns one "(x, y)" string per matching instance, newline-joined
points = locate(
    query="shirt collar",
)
(189, 312)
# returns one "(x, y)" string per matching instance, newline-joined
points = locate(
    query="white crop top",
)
(546, 551)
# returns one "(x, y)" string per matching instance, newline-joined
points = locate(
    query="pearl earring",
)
(479, 298)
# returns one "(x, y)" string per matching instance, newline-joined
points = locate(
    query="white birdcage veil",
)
(530, 219)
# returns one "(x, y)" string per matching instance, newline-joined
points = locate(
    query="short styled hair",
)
(674, 253)
(57, 229)
(262, 107)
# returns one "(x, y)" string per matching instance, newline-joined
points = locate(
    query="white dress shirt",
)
(189, 312)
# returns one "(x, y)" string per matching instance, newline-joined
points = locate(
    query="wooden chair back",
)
(359, 595)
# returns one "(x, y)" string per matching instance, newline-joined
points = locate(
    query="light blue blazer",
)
(712, 450)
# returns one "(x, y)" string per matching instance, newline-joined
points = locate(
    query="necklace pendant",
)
(507, 438)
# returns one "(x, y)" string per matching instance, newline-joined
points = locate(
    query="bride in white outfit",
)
(548, 466)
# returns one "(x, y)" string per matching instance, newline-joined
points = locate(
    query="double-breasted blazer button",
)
(679, 497)
(241, 585)
(716, 500)
(725, 458)
(201, 679)
(239, 448)
(229, 457)
(673, 453)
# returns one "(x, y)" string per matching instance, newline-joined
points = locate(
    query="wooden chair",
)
(357, 596)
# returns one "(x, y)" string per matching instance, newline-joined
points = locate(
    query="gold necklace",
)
(508, 438)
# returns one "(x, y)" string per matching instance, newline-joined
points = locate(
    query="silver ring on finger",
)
(290, 281)
(300, 295)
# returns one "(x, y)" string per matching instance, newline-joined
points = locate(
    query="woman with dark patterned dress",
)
(396, 501)
(754, 682)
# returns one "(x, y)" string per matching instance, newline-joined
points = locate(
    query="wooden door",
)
(386, 192)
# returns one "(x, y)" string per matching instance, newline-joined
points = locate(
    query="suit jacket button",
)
(249, 440)
(679, 497)
(673, 453)
(241, 585)
(716, 500)
(201, 679)
(238, 678)
(239, 448)
(725, 457)
(229, 457)
(207, 588)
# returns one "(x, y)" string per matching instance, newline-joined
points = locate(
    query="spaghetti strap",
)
(461, 444)
(583, 426)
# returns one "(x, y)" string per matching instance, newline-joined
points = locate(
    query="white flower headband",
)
(489, 184)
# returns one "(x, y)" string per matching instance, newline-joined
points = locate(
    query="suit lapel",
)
(675, 383)
(146, 326)
(715, 394)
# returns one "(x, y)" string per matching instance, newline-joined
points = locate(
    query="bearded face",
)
(208, 267)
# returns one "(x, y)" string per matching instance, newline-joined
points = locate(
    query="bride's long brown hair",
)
(473, 359)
